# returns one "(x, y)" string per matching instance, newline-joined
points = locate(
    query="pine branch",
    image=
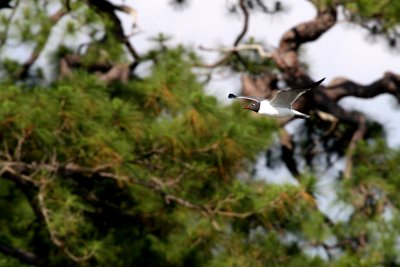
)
(109, 9)
(9, 23)
(23, 73)
(13, 170)
(22, 255)
(54, 236)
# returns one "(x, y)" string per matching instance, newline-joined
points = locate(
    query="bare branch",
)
(238, 38)
(357, 136)
(243, 47)
(21, 141)
(14, 173)
(168, 198)
(286, 57)
(342, 87)
(245, 22)
(287, 146)
(308, 31)
(120, 72)
(130, 11)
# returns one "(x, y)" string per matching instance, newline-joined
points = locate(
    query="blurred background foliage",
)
(151, 171)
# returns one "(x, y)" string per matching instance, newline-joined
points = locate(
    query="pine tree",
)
(102, 167)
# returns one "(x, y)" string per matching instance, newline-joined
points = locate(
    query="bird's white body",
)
(280, 112)
(280, 105)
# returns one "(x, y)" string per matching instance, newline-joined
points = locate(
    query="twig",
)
(21, 141)
(6, 152)
(237, 40)
(357, 136)
(233, 214)
(46, 215)
(15, 175)
(39, 46)
(265, 9)
(245, 22)
(168, 198)
(7, 27)
(258, 47)
(127, 9)
(53, 234)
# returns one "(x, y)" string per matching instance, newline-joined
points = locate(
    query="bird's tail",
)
(232, 96)
(300, 115)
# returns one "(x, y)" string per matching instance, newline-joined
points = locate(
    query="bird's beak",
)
(245, 107)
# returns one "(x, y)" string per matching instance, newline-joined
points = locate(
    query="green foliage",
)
(372, 191)
(368, 9)
(164, 129)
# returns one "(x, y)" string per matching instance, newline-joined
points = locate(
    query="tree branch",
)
(54, 236)
(68, 5)
(342, 87)
(245, 22)
(109, 9)
(8, 23)
(70, 170)
(23, 73)
(5, 4)
(22, 255)
(238, 38)
(107, 72)
(243, 47)
(308, 31)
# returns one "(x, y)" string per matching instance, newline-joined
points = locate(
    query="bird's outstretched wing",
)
(285, 98)
(251, 98)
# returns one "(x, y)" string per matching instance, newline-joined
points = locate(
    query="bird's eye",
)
(253, 105)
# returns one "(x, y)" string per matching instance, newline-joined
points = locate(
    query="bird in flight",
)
(281, 105)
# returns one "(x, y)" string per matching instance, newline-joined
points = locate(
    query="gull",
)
(281, 105)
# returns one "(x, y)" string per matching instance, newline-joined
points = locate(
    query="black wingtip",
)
(318, 83)
(310, 86)
(231, 96)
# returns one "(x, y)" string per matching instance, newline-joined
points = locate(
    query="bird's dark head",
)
(253, 106)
